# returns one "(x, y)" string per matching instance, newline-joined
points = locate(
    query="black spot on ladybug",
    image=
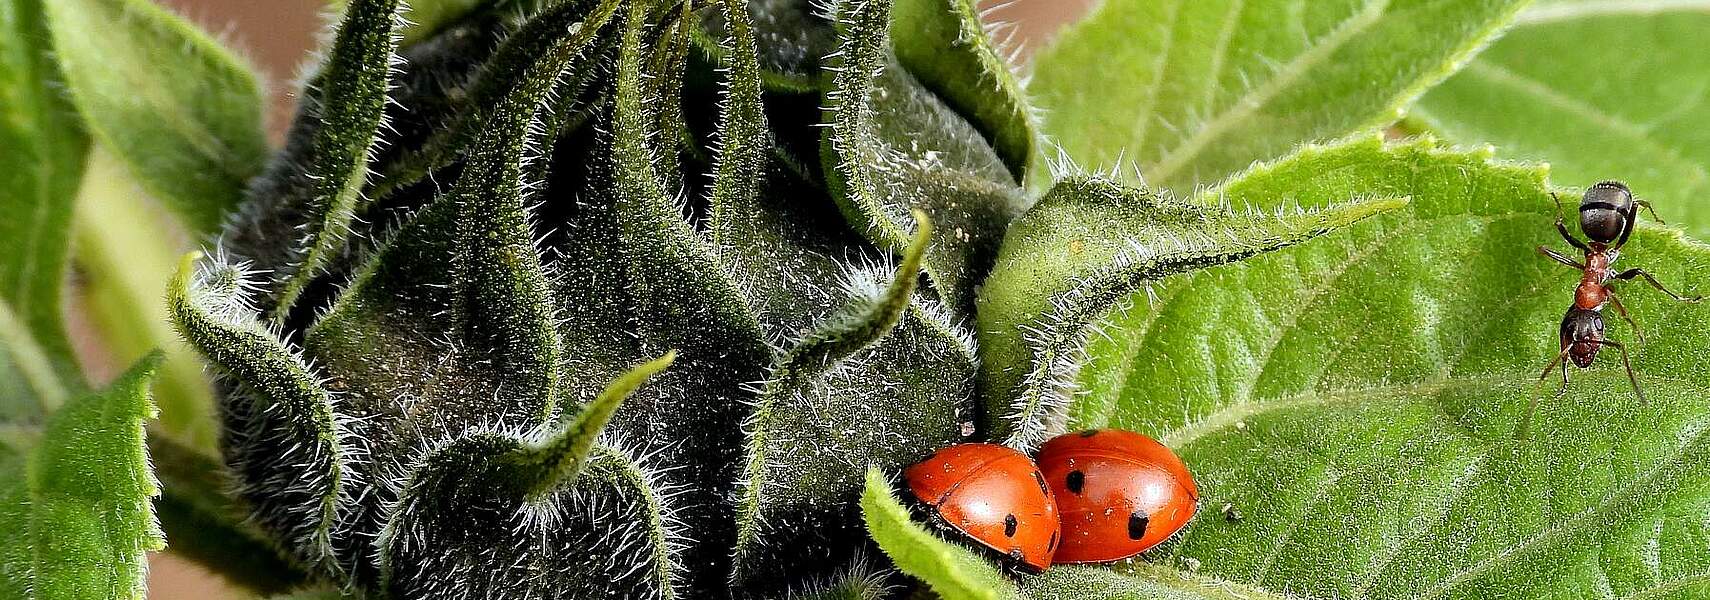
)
(1076, 480)
(1053, 546)
(1137, 525)
(1009, 524)
(1089, 433)
(1040, 479)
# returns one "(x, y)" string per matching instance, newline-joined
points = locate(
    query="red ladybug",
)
(994, 495)
(1119, 493)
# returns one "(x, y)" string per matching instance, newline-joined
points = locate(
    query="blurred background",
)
(277, 35)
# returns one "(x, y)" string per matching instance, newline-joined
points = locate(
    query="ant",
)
(1607, 215)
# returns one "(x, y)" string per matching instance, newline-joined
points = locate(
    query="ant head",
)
(1606, 212)
(1582, 334)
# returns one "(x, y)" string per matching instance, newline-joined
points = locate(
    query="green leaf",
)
(77, 508)
(1357, 398)
(29, 387)
(944, 45)
(1084, 249)
(180, 110)
(350, 100)
(1214, 85)
(275, 403)
(41, 138)
(892, 146)
(490, 514)
(1628, 107)
(955, 571)
(657, 284)
(562, 458)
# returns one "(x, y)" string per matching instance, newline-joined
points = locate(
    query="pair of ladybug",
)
(1095, 496)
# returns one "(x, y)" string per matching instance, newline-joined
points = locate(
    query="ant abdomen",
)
(1606, 211)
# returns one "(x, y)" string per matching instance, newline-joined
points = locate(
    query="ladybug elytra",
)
(994, 495)
(1118, 493)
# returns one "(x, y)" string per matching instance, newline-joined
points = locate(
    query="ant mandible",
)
(1607, 215)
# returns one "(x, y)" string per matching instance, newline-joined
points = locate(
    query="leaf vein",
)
(1280, 81)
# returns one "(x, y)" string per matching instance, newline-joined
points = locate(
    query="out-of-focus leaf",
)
(1357, 398)
(1608, 89)
(126, 245)
(1192, 91)
(76, 508)
(179, 110)
(29, 387)
(44, 146)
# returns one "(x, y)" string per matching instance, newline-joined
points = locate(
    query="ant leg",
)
(1622, 310)
(1558, 360)
(1647, 206)
(1629, 274)
(1627, 362)
(1532, 407)
(1561, 227)
(1559, 257)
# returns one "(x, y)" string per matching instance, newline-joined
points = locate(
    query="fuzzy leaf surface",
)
(944, 44)
(493, 515)
(893, 146)
(41, 138)
(809, 439)
(77, 507)
(1211, 86)
(1630, 107)
(956, 572)
(289, 453)
(794, 38)
(1084, 249)
(634, 279)
(350, 102)
(179, 109)
(1357, 398)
